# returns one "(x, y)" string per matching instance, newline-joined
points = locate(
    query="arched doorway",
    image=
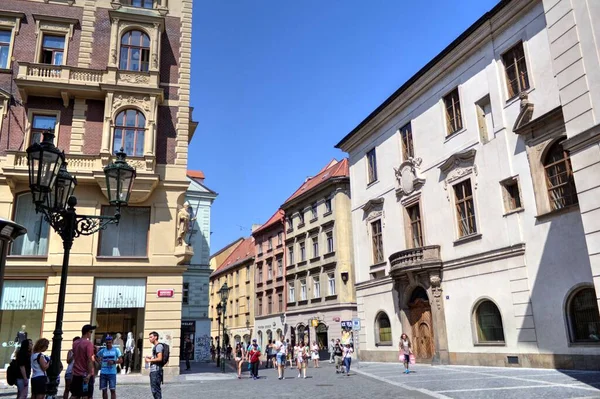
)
(322, 339)
(237, 339)
(301, 332)
(269, 335)
(260, 339)
(246, 339)
(278, 334)
(421, 324)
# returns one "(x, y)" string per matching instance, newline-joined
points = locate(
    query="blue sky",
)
(277, 83)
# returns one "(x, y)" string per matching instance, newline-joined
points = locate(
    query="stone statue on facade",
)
(184, 218)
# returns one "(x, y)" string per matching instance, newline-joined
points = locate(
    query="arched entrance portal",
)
(421, 323)
(322, 339)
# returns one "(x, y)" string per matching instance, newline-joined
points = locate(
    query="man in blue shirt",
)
(109, 358)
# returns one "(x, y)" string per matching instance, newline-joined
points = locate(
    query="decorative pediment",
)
(407, 178)
(458, 166)
(373, 209)
(525, 113)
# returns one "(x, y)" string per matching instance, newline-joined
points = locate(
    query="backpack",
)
(165, 352)
(12, 373)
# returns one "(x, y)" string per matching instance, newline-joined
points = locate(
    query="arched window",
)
(489, 323)
(584, 320)
(559, 177)
(135, 51)
(35, 242)
(383, 329)
(130, 126)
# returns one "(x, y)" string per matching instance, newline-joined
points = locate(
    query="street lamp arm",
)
(82, 224)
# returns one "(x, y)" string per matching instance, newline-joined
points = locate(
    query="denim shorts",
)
(280, 359)
(108, 381)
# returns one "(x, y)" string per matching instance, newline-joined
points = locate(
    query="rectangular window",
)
(303, 290)
(247, 274)
(270, 304)
(377, 237)
(329, 235)
(331, 284)
(269, 271)
(138, 3)
(280, 300)
(301, 215)
(316, 287)
(35, 242)
(260, 272)
(280, 267)
(416, 229)
(291, 292)
(279, 238)
(270, 244)
(483, 108)
(186, 293)
(315, 244)
(5, 36)
(290, 224)
(237, 307)
(408, 150)
(515, 66)
(511, 193)
(291, 255)
(259, 248)
(259, 306)
(372, 166)
(313, 209)
(453, 113)
(39, 124)
(130, 236)
(53, 48)
(237, 277)
(302, 251)
(465, 208)
(328, 205)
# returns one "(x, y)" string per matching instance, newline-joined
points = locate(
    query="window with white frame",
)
(377, 241)
(327, 205)
(135, 51)
(302, 251)
(330, 247)
(303, 290)
(315, 245)
(280, 267)
(279, 238)
(39, 124)
(313, 209)
(270, 244)
(454, 121)
(269, 271)
(129, 132)
(291, 254)
(291, 292)
(316, 286)
(53, 49)
(331, 284)
(5, 44)
(371, 166)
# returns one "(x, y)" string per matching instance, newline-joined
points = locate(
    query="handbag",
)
(412, 359)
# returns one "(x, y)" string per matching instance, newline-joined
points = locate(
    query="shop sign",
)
(165, 293)
(188, 323)
(347, 324)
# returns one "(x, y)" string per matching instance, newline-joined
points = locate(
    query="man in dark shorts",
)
(83, 365)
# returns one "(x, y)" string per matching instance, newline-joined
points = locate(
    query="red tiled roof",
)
(195, 174)
(333, 169)
(242, 252)
(276, 218)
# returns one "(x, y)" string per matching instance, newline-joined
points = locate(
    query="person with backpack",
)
(338, 352)
(69, 372)
(19, 370)
(39, 365)
(156, 362)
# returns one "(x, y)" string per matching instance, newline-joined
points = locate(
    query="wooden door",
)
(422, 329)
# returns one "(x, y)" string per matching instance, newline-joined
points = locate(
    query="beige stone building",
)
(219, 257)
(103, 75)
(320, 269)
(237, 270)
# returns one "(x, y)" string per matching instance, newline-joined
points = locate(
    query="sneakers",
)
(406, 371)
(299, 375)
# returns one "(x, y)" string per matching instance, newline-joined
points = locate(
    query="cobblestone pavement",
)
(463, 382)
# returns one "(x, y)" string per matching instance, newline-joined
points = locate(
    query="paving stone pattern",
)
(463, 382)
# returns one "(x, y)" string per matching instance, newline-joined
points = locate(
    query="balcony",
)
(415, 259)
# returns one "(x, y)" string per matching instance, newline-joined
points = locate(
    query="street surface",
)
(464, 382)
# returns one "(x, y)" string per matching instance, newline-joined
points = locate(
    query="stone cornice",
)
(484, 257)
(583, 140)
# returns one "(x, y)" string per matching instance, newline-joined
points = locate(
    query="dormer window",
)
(135, 51)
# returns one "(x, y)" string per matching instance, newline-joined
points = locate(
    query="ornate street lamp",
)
(219, 312)
(224, 293)
(52, 188)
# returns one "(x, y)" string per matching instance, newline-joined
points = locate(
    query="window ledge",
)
(452, 135)
(25, 257)
(378, 266)
(302, 263)
(591, 344)
(313, 220)
(489, 344)
(279, 245)
(5, 70)
(319, 299)
(372, 183)
(383, 344)
(291, 266)
(329, 254)
(330, 297)
(516, 98)
(315, 259)
(327, 213)
(469, 238)
(556, 212)
(121, 258)
(513, 211)
(301, 225)
(303, 302)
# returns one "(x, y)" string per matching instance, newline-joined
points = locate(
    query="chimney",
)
(255, 227)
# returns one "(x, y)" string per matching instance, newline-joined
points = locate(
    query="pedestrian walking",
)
(213, 351)
(189, 350)
(300, 354)
(281, 348)
(82, 383)
(338, 353)
(155, 363)
(128, 355)
(348, 351)
(39, 365)
(405, 349)
(239, 359)
(254, 359)
(315, 354)
(24, 368)
(290, 355)
(229, 350)
(109, 357)
(331, 350)
(69, 372)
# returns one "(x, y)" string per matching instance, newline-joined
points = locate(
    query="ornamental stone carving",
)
(436, 289)
(135, 78)
(142, 102)
(373, 209)
(407, 178)
(46, 25)
(458, 166)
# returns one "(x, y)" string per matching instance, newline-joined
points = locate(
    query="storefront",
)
(21, 315)
(119, 311)
(188, 330)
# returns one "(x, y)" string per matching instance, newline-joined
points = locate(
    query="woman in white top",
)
(315, 354)
(39, 365)
(405, 351)
(348, 351)
(300, 361)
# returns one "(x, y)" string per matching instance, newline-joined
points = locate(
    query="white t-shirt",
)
(36, 368)
(280, 346)
(299, 350)
(348, 352)
(404, 345)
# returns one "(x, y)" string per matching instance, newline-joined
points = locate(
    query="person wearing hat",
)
(83, 365)
(109, 357)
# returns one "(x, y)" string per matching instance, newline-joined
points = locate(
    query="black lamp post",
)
(52, 188)
(224, 293)
(219, 312)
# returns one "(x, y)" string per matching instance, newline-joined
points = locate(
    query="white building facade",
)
(471, 199)
(195, 319)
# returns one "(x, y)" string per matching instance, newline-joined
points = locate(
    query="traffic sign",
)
(356, 324)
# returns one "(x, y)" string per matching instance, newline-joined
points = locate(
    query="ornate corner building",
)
(103, 75)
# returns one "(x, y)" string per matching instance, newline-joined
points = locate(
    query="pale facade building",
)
(102, 75)
(475, 200)
(195, 320)
(320, 262)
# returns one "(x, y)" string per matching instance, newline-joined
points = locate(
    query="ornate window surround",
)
(56, 26)
(41, 111)
(4, 99)
(10, 21)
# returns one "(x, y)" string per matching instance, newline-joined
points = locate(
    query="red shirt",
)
(83, 350)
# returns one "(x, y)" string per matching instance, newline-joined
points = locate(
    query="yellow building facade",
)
(97, 95)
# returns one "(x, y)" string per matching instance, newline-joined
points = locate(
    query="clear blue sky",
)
(277, 83)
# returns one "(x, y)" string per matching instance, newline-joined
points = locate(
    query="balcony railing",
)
(415, 257)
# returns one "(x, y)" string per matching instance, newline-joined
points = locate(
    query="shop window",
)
(383, 328)
(583, 316)
(489, 323)
(559, 177)
(135, 51)
(35, 241)
(5, 38)
(130, 237)
(130, 127)
(53, 49)
(21, 314)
